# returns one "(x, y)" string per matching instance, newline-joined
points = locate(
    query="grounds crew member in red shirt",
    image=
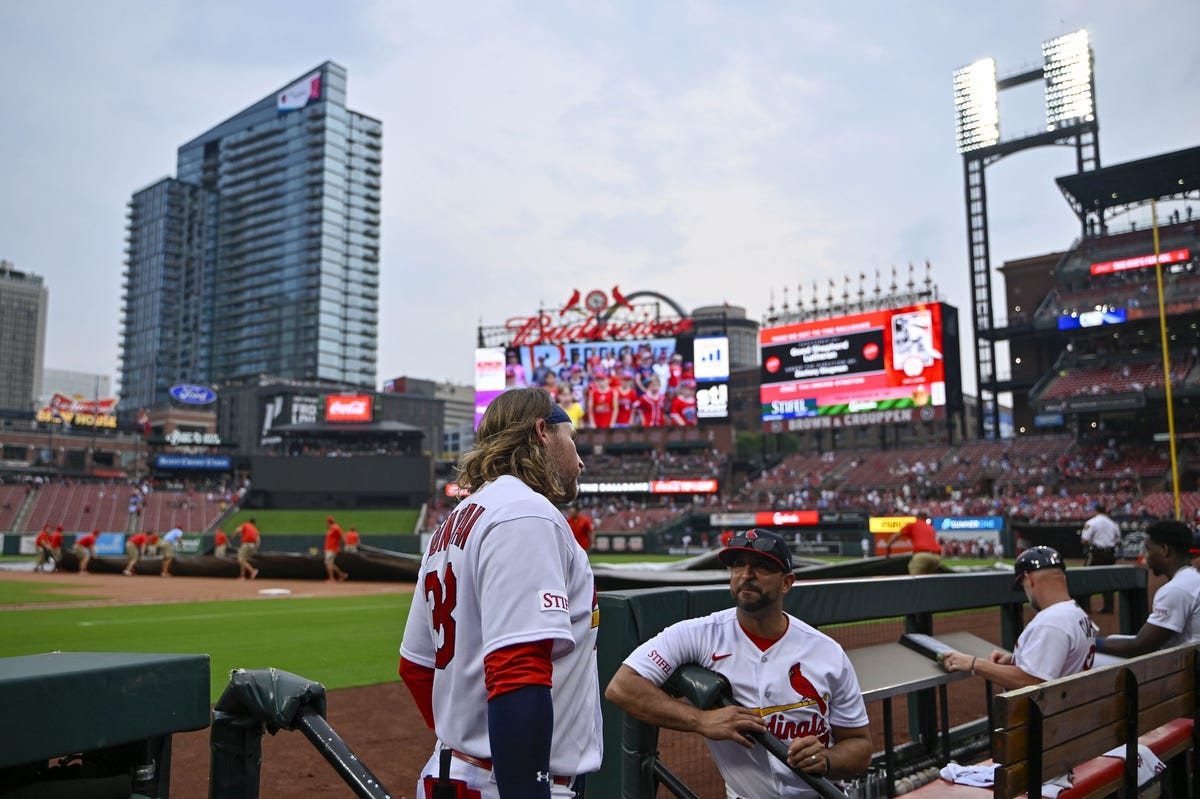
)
(133, 551)
(246, 549)
(352, 540)
(927, 552)
(221, 544)
(581, 527)
(56, 543)
(85, 547)
(42, 545)
(333, 542)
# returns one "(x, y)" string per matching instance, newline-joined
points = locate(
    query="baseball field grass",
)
(341, 642)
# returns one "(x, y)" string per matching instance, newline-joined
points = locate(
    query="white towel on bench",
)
(1149, 766)
(985, 777)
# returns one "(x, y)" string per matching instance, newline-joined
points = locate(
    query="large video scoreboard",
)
(902, 360)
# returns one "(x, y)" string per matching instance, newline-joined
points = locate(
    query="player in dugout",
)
(499, 650)
(788, 678)
(1175, 617)
(1060, 640)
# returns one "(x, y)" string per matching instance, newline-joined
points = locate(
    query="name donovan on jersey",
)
(456, 528)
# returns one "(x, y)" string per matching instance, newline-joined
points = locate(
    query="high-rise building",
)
(261, 257)
(23, 330)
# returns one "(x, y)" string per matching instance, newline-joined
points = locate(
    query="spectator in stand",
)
(601, 400)
(42, 545)
(333, 542)
(222, 543)
(133, 550)
(1058, 641)
(1175, 618)
(168, 545)
(566, 400)
(1100, 536)
(247, 546)
(683, 405)
(581, 527)
(56, 544)
(926, 551)
(627, 400)
(352, 540)
(651, 406)
(84, 549)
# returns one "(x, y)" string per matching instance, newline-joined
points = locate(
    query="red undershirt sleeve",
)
(419, 681)
(516, 666)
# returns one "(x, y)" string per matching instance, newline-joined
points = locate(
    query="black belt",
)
(486, 763)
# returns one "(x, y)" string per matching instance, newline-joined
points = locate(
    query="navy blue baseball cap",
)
(764, 542)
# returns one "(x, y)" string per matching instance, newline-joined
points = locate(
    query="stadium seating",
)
(80, 507)
(190, 510)
(11, 498)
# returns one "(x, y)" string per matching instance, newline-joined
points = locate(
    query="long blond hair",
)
(507, 443)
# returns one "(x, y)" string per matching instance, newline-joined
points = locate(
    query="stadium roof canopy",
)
(1167, 175)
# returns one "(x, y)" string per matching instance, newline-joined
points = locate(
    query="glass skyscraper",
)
(262, 256)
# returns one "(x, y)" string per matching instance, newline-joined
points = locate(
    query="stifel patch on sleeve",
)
(552, 600)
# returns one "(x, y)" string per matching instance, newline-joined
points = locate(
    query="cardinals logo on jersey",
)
(802, 686)
(798, 719)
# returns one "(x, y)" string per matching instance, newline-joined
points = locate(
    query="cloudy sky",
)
(711, 151)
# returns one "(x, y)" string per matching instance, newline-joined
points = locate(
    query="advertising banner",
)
(877, 361)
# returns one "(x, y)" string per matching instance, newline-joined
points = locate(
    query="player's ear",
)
(541, 429)
(788, 580)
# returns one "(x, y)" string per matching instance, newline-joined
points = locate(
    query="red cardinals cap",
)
(329, 520)
(764, 542)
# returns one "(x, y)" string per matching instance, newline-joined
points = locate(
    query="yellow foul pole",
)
(1166, 359)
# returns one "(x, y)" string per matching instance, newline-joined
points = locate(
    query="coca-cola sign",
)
(348, 408)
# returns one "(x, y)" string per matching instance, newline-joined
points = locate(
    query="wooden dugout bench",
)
(1067, 724)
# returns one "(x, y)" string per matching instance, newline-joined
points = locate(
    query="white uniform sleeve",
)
(417, 645)
(657, 659)
(522, 585)
(1044, 651)
(1170, 610)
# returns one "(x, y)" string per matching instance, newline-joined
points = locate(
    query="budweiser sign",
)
(348, 408)
(546, 329)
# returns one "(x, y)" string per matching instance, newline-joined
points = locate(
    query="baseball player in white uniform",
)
(1175, 618)
(788, 678)
(1060, 640)
(1101, 536)
(499, 648)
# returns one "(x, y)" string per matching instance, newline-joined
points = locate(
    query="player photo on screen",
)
(912, 342)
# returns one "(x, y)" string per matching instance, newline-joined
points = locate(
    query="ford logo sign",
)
(190, 394)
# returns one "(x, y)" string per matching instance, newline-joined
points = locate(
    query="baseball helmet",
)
(1036, 558)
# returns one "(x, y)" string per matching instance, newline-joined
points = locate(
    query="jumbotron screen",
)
(874, 361)
(655, 382)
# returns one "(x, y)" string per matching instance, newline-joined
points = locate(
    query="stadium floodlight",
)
(1070, 90)
(976, 107)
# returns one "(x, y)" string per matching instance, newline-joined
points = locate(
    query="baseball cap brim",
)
(726, 556)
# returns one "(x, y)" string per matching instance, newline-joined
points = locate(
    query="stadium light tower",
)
(1070, 120)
